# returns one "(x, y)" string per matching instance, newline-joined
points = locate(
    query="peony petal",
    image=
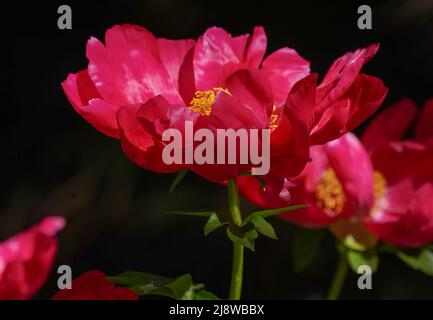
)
(128, 69)
(26, 259)
(157, 115)
(266, 196)
(214, 59)
(139, 145)
(239, 45)
(252, 90)
(290, 140)
(341, 76)
(284, 68)
(360, 102)
(366, 95)
(410, 228)
(229, 113)
(86, 101)
(172, 54)
(94, 285)
(256, 48)
(424, 127)
(390, 125)
(353, 168)
(331, 123)
(187, 78)
(404, 160)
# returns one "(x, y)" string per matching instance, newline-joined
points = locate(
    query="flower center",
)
(329, 192)
(203, 101)
(273, 124)
(380, 185)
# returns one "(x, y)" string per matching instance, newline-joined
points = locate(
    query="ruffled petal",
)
(390, 125)
(366, 95)
(141, 146)
(284, 68)
(85, 99)
(341, 76)
(128, 69)
(359, 103)
(214, 59)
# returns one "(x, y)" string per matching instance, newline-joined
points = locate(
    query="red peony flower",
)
(403, 215)
(136, 87)
(337, 183)
(380, 189)
(26, 259)
(94, 285)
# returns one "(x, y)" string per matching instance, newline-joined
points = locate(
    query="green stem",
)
(339, 278)
(238, 250)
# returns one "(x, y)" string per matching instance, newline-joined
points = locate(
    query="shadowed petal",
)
(389, 125)
(424, 127)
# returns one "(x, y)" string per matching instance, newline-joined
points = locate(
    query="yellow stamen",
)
(204, 100)
(380, 185)
(274, 119)
(329, 192)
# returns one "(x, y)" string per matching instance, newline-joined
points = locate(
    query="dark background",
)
(54, 162)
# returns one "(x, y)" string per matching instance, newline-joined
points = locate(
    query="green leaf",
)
(264, 227)
(357, 259)
(268, 213)
(421, 260)
(247, 240)
(177, 180)
(181, 288)
(213, 223)
(142, 283)
(205, 214)
(205, 295)
(306, 244)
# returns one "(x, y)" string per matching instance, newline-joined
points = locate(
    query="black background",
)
(53, 162)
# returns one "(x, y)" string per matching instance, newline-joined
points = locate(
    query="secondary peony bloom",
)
(404, 213)
(26, 259)
(137, 86)
(382, 188)
(337, 183)
(94, 285)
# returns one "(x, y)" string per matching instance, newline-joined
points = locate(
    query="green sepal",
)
(268, 213)
(358, 258)
(213, 223)
(264, 227)
(246, 238)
